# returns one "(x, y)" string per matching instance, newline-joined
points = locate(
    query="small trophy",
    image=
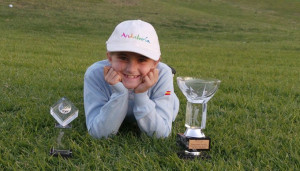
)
(198, 92)
(64, 112)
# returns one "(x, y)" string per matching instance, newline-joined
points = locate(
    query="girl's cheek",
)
(116, 67)
(146, 71)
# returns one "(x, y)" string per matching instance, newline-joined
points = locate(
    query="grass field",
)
(253, 47)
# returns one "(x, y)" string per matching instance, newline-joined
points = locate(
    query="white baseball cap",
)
(135, 36)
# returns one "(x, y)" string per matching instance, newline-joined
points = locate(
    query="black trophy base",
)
(62, 153)
(193, 147)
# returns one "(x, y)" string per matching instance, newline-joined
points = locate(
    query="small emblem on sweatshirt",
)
(168, 93)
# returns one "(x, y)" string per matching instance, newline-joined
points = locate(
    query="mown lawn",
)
(253, 47)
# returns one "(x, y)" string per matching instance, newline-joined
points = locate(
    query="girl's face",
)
(132, 67)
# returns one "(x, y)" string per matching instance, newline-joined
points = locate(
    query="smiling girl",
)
(132, 84)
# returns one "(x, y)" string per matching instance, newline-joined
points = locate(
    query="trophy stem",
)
(195, 119)
(61, 147)
(60, 139)
(204, 112)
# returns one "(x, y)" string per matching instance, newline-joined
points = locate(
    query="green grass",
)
(252, 46)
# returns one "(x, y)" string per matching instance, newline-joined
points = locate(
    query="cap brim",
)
(145, 52)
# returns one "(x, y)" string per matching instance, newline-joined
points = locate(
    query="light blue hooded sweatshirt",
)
(106, 106)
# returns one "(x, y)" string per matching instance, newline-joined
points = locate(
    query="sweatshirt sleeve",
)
(105, 105)
(156, 109)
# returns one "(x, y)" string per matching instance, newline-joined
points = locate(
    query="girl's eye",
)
(123, 58)
(142, 59)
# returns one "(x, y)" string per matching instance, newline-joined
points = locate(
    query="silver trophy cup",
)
(198, 92)
(64, 112)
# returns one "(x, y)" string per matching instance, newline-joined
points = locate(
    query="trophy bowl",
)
(198, 90)
(64, 111)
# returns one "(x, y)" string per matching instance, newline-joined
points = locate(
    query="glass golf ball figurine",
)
(198, 92)
(64, 112)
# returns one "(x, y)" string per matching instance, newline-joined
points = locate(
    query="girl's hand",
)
(148, 81)
(111, 76)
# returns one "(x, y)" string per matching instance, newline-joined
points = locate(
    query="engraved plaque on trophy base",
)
(192, 143)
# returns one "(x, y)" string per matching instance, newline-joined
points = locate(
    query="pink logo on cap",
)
(131, 36)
